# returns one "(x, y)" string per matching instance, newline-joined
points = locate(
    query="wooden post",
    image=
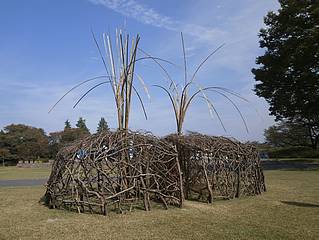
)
(209, 187)
(181, 199)
(238, 182)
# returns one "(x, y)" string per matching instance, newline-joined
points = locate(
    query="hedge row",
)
(293, 152)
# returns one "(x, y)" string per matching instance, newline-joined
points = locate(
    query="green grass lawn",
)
(289, 210)
(9, 173)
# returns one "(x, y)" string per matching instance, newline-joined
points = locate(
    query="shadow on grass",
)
(300, 204)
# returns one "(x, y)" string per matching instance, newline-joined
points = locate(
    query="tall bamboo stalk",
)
(119, 74)
(181, 100)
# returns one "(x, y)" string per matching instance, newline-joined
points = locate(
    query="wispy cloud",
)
(239, 32)
(147, 15)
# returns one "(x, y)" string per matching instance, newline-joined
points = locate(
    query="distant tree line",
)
(288, 134)
(22, 142)
(287, 139)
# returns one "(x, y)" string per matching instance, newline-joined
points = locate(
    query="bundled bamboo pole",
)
(119, 65)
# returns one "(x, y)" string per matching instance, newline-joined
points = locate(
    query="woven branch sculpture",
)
(217, 167)
(115, 171)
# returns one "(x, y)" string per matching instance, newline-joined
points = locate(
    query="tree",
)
(81, 125)
(67, 125)
(4, 153)
(55, 143)
(288, 75)
(102, 126)
(287, 134)
(57, 140)
(24, 142)
(73, 134)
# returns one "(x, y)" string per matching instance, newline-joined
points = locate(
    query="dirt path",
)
(288, 165)
(23, 182)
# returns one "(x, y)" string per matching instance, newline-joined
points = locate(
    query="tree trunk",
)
(315, 144)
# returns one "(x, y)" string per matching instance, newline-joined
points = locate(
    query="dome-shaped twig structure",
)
(217, 167)
(115, 171)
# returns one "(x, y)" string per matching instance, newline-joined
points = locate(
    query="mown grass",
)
(10, 173)
(288, 210)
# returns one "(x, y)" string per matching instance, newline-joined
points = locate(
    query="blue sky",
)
(46, 47)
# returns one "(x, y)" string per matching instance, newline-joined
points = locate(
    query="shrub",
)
(293, 152)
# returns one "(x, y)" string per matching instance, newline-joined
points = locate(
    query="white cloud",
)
(146, 15)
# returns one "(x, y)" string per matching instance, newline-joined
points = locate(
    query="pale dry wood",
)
(217, 167)
(115, 171)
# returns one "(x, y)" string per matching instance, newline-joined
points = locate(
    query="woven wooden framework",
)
(218, 167)
(115, 171)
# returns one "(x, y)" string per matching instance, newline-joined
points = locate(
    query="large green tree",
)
(288, 73)
(24, 142)
(287, 134)
(102, 126)
(61, 138)
(4, 153)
